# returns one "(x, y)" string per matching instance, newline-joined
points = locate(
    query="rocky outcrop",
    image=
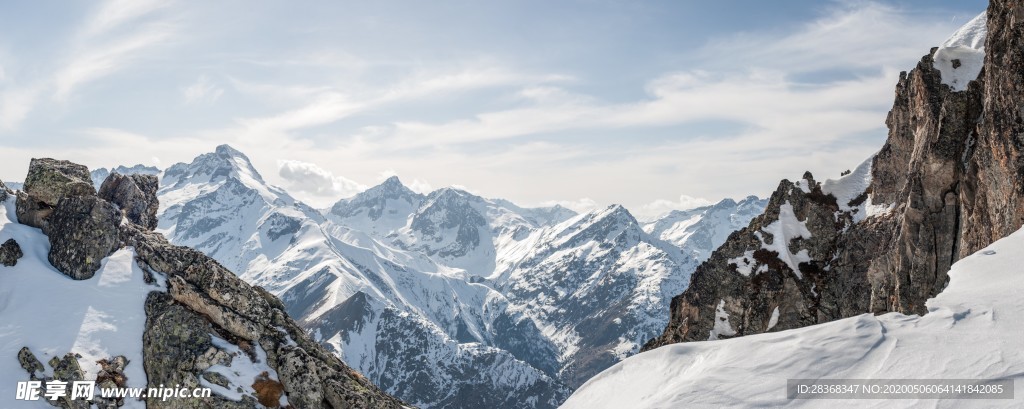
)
(82, 231)
(136, 196)
(65, 370)
(10, 252)
(48, 181)
(4, 191)
(204, 300)
(30, 363)
(207, 316)
(947, 182)
(992, 198)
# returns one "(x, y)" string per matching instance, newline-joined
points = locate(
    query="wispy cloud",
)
(115, 13)
(583, 205)
(94, 62)
(332, 104)
(202, 90)
(315, 182)
(660, 207)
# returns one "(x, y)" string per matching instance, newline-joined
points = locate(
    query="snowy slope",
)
(97, 318)
(597, 285)
(379, 210)
(700, 231)
(971, 331)
(461, 230)
(961, 57)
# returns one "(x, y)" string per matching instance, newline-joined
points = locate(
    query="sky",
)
(656, 105)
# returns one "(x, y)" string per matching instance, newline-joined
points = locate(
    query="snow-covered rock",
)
(962, 56)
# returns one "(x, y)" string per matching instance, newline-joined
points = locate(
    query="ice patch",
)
(774, 319)
(745, 263)
(722, 326)
(784, 230)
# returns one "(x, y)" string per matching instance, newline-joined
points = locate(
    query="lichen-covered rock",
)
(952, 176)
(48, 181)
(82, 231)
(30, 364)
(67, 369)
(135, 195)
(10, 252)
(204, 300)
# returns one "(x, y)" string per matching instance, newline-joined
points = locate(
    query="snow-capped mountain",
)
(597, 285)
(221, 205)
(701, 230)
(508, 306)
(379, 210)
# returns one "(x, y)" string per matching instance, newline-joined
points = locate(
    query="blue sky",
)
(651, 104)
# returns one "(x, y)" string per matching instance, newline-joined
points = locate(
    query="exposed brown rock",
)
(952, 169)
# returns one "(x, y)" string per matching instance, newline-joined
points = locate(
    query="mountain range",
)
(448, 299)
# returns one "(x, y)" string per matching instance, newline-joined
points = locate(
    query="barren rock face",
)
(135, 195)
(49, 180)
(952, 175)
(82, 231)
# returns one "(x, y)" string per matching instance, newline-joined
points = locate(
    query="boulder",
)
(10, 252)
(135, 195)
(4, 191)
(30, 364)
(82, 231)
(48, 181)
(203, 300)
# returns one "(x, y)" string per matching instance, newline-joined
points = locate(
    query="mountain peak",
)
(226, 150)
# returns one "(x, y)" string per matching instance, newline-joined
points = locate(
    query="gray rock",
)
(48, 181)
(82, 231)
(67, 369)
(4, 191)
(205, 299)
(136, 196)
(10, 252)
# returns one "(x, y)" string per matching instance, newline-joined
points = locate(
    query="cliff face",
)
(948, 181)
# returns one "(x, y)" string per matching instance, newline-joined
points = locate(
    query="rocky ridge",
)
(206, 316)
(947, 182)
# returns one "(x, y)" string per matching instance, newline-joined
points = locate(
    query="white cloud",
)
(660, 207)
(108, 42)
(581, 206)
(114, 13)
(100, 61)
(15, 105)
(853, 35)
(203, 90)
(420, 186)
(317, 185)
